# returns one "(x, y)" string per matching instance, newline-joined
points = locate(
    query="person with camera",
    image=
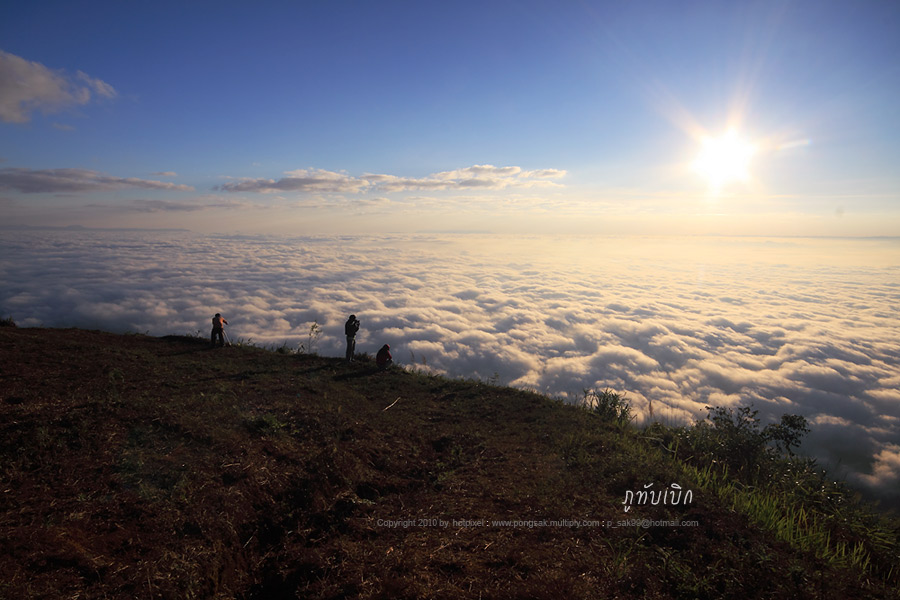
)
(350, 329)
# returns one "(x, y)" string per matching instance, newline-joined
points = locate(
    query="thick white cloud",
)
(679, 324)
(26, 86)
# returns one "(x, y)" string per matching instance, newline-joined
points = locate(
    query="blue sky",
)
(353, 117)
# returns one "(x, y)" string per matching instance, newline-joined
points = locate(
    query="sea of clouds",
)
(792, 325)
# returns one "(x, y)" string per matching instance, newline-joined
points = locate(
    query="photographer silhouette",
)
(350, 329)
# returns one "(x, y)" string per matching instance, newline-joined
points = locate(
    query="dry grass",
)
(139, 467)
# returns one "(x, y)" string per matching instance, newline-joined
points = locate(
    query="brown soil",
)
(141, 467)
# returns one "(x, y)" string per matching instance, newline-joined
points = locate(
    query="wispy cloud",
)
(200, 204)
(475, 177)
(73, 181)
(680, 324)
(153, 206)
(26, 86)
(486, 177)
(301, 180)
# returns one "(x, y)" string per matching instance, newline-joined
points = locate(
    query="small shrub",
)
(733, 439)
(7, 322)
(787, 433)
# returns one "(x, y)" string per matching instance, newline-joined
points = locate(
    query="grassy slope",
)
(139, 467)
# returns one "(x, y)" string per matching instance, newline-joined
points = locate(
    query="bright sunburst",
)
(724, 160)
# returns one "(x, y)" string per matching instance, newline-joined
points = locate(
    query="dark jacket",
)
(383, 357)
(351, 327)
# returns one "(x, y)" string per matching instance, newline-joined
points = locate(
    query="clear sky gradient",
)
(363, 117)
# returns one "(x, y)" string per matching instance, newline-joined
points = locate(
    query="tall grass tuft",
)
(608, 405)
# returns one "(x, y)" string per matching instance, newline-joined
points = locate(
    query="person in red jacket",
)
(383, 358)
(218, 330)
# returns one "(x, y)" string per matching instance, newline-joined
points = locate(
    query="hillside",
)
(142, 467)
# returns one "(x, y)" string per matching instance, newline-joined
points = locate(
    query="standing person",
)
(383, 359)
(350, 329)
(218, 330)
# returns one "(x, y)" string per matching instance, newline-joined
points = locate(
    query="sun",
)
(724, 160)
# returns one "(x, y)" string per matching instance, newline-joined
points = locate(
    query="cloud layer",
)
(26, 86)
(794, 326)
(485, 177)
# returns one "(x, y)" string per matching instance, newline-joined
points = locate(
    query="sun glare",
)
(724, 160)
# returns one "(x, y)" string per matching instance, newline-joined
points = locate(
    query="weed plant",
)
(312, 338)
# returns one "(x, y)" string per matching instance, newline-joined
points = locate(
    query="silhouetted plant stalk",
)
(312, 338)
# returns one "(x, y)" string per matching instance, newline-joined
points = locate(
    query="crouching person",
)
(383, 358)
